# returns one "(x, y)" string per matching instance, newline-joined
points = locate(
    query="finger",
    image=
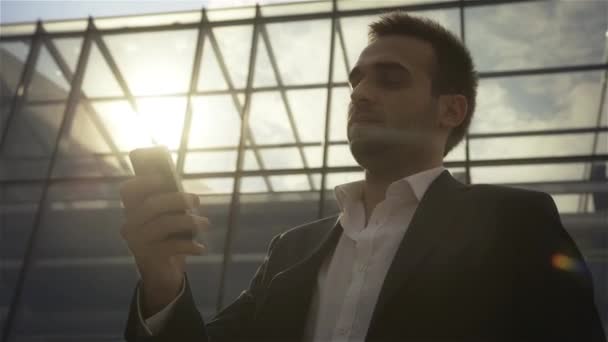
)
(179, 247)
(162, 227)
(136, 189)
(160, 204)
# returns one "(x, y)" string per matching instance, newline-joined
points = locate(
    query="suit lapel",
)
(434, 216)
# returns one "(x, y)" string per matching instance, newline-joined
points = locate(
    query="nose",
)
(362, 92)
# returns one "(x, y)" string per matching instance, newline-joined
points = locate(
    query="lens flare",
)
(565, 263)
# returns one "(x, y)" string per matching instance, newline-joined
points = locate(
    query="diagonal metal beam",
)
(68, 116)
(343, 45)
(107, 55)
(235, 197)
(334, 21)
(196, 67)
(24, 83)
(89, 110)
(235, 98)
(283, 92)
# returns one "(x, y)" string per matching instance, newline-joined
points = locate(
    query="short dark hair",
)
(454, 70)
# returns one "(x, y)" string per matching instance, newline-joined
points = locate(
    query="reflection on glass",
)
(154, 63)
(215, 122)
(531, 146)
(12, 58)
(48, 82)
(253, 184)
(99, 80)
(527, 173)
(295, 63)
(537, 102)
(268, 119)
(537, 34)
(69, 49)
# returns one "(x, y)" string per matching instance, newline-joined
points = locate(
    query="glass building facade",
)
(252, 103)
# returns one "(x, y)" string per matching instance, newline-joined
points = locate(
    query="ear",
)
(453, 110)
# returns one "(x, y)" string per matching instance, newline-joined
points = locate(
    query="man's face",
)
(392, 109)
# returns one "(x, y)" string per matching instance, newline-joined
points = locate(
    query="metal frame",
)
(205, 30)
(66, 120)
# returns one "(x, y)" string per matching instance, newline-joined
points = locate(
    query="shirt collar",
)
(417, 183)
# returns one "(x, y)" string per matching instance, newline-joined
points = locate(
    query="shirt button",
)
(361, 267)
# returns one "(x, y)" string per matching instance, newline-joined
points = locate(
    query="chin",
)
(369, 152)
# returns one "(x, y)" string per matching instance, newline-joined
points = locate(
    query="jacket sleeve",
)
(554, 288)
(234, 323)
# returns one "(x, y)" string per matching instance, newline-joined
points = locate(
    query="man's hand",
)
(151, 216)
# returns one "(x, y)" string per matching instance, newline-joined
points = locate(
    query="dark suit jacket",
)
(476, 264)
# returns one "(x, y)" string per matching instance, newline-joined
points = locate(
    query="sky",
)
(12, 11)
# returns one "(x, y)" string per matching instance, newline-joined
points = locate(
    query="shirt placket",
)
(354, 294)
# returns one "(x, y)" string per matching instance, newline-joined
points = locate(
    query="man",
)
(413, 256)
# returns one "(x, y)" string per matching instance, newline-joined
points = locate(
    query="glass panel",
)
(341, 64)
(355, 29)
(253, 185)
(209, 185)
(224, 161)
(264, 74)
(251, 162)
(154, 63)
(295, 62)
(99, 79)
(358, 4)
(296, 9)
(281, 158)
(215, 122)
(262, 216)
(235, 46)
(527, 173)
(69, 49)
(568, 203)
(48, 82)
(537, 102)
(158, 118)
(520, 35)
(13, 56)
(210, 76)
(29, 142)
(530, 146)
(148, 20)
(458, 153)
(339, 113)
(294, 182)
(314, 156)
(268, 119)
(308, 108)
(83, 151)
(339, 155)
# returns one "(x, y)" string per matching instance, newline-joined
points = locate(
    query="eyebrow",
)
(384, 66)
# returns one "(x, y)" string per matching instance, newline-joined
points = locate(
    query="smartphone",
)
(157, 161)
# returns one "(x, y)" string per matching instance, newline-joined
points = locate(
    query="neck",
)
(377, 181)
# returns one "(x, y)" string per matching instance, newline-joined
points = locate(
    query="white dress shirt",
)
(350, 279)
